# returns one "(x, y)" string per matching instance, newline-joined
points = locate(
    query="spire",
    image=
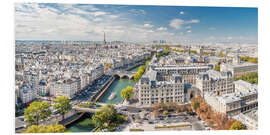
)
(104, 38)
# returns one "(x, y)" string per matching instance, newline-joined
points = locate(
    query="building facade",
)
(219, 83)
(239, 69)
(232, 104)
(151, 91)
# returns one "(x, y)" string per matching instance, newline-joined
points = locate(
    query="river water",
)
(77, 126)
(116, 87)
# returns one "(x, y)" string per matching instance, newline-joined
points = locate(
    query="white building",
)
(67, 87)
(151, 91)
(97, 72)
(242, 101)
(239, 69)
(27, 93)
(249, 119)
(188, 73)
(216, 82)
(42, 88)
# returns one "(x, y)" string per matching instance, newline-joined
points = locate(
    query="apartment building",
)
(27, 93)
(219, 83)
(232, 104)
(151, 91)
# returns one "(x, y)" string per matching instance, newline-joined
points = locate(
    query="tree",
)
(237, 125)
(37, 111)
(139, 73)
(56, 128)
(221, 54)
(146, 64)
(249, 77)
(195, 105)
(158, 54)
(165, 112)
(105, 116)
(127, 93)
(217, 68)
(62, 104)
(147, 57)
(156, 113)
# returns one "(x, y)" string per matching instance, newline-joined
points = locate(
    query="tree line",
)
(40, 111)
(249, 77)
(249, 59)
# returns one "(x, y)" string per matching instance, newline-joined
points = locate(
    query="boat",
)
(112, 96)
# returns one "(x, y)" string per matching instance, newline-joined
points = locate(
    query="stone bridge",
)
(125, 74)
(91, 110)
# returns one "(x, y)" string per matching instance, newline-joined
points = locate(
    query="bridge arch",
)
(116, 76)
(125, 76)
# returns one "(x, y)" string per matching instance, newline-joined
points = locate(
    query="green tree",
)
(237, 125)
(217, 68)
(165, 112)
(127, 93)
(105, 116)
(158, 54)
(146, 64)
(37, 111)
(62, 104)
(147, 57)
(196, 105)
(56, 128)
(221, 54)
(139, 73)
(249, 77)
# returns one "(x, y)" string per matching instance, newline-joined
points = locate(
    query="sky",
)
(134, 23)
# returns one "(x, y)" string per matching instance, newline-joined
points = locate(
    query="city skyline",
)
(135, 23)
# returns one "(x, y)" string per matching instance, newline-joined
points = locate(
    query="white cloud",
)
(47, 23)
(113, 16)
(147, 25)
(192, 21)
(176, 23)
(98, 19)
(98, 13)
(161, 28)
(181, 12)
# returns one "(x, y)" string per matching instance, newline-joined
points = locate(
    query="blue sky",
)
(135, 23)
